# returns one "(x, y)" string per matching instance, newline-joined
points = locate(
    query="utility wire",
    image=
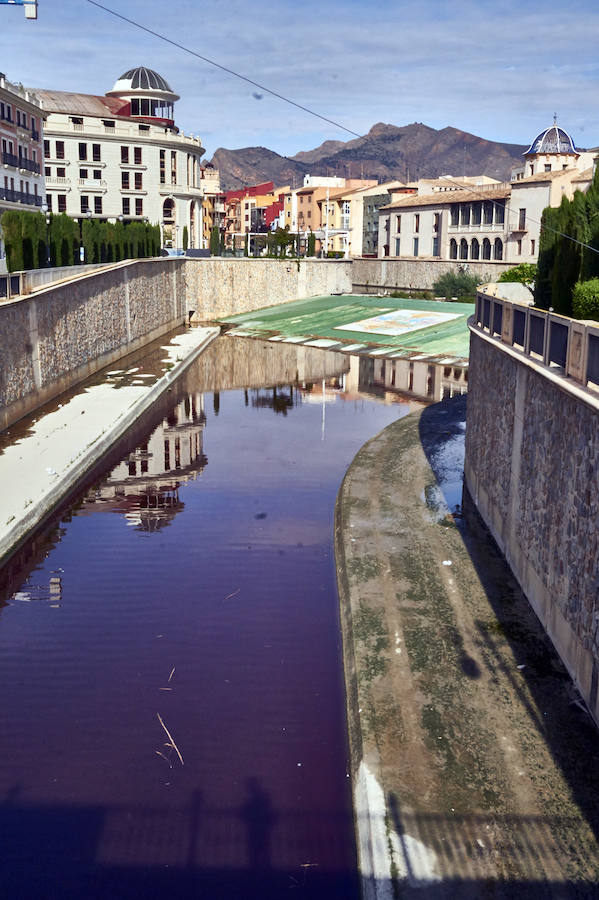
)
(229, 71)
(305, 109)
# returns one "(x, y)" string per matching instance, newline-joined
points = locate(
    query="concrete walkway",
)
(44, 456)
(475, 766)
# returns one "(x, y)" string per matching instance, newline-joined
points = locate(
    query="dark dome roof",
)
(145, 80)
(552, 140)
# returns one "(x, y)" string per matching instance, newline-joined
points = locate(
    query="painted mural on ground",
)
(399, 321)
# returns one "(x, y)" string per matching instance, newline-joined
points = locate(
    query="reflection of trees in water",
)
(275, 398)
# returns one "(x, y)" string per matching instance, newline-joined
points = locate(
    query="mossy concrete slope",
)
(474, 763)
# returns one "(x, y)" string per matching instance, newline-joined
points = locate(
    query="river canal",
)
(173, 705)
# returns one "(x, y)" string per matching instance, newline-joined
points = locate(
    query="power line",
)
(481, 195)
(217, 65)
(305, 109)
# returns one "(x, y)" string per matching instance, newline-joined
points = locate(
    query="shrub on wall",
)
(525, 273)
(455, 284)
(585, 299)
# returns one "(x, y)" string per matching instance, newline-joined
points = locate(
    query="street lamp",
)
(46, 212)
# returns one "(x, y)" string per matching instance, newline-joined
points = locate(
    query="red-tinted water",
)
(195, 583)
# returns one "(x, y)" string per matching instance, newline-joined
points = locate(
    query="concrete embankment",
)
(44, 459)
(474, 763)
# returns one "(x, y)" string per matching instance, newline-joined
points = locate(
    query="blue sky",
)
(497, 70)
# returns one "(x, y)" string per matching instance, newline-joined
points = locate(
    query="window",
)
(436, 246)
(124, 155)
(436, 220)
(397, 246)
(548, 167)
(455, 212)
(139, 206)
(522, 220)
(487, 212)
(97, 174)
(59, 149)
(47, 171)
(464, 214)
(137, 156)
(62, 203)
(163, 167)
(499, 212)
(519, 247)
(415, 246)
(82, 151)
(96, 153)
(98, 206)
(125, 181)
(138, 181)
(61, 172)
(476, 213)
(398, 224)
(498, 249)
(532, 169)
(416, 226)
(82, 173)
(126, 206)
(108, 123)
(532, 247)
(475, 249)
(47, 149)
(173, 166)
(84, 203)
(49, 201)
(486, 249)
(463, 249)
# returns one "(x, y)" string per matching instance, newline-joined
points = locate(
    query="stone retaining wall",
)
(68, 331)
(532, 457)
(369, 276)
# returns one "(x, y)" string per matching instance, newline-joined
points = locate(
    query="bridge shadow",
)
(539, 678)
(101, 852)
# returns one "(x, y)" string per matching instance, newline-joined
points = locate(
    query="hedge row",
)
(25, 235)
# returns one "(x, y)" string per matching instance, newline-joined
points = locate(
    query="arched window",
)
(498, 249)
(486, 248)
(168, 211)
(453, 249)
(474, 249)
(463, 249)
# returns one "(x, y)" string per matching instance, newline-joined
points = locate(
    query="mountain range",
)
(386, 153)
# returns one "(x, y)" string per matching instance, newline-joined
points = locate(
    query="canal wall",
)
(223, 287)
(66, 332)
(370, 276)
(532, 456)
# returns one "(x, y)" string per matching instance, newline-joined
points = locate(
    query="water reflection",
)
(237, 600)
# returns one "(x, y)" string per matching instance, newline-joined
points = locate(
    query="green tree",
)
(525, 273)
(585, 299)
(185, 237)
(214, 241)
(455, 284)
(547, 248)
(311, 244)
(590, 254)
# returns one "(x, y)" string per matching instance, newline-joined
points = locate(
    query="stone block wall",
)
(64, 333)
(532, 458)
(371, 275)
(218, 287)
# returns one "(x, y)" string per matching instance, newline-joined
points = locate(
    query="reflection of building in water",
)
(425, 379)
(277, 398)
(145, 484)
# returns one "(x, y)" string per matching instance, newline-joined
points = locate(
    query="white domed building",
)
(121, 156)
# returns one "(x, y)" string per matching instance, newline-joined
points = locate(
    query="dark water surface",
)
(195, 582)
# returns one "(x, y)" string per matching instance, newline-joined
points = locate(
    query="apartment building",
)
(477, 218)
(21, 121)
(121, 156)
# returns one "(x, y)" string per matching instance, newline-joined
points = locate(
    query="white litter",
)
(447, 562)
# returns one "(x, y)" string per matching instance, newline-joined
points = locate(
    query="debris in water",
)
(228, 597)
(447, 562)
(172, 744)
(521, 667)
(171, 675)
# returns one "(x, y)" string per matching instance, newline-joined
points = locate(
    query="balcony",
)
(20, 197)
(91, 184)
(9, 159)
(55, 181)
(29, 165)
(35, 135)
(6, 118)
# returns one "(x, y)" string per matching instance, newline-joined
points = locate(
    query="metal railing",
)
(569, 347)
(20, 197)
